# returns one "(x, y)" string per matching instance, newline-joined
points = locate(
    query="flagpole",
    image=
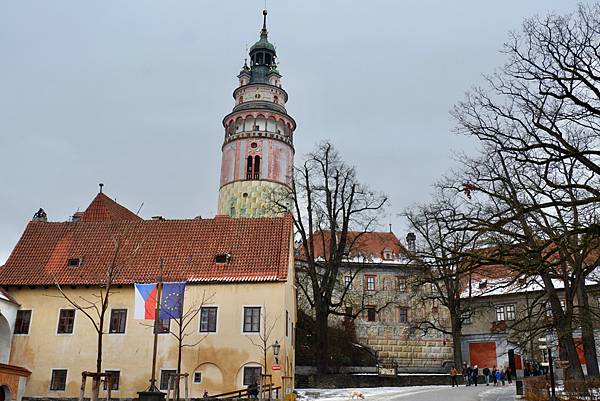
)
(153, 386)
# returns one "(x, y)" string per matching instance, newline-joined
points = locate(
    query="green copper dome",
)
(263, 44)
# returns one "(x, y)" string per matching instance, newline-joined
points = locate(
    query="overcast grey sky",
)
(132, 94)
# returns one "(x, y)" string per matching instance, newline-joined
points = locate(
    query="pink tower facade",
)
(258, 150)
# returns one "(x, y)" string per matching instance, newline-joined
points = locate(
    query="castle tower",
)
(258, 151)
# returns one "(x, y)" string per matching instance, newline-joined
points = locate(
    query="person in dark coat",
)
(253, 390)
(475, 375)
(465, 374)
(486, 375)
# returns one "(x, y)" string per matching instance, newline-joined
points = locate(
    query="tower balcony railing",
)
(230, 135)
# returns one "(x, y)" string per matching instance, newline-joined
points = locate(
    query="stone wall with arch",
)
(212, 377)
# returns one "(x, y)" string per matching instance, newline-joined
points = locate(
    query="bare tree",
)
(448, 254)
(538, 231)
(332, 210)
(540, 172)
(544, 103)
(95, 306)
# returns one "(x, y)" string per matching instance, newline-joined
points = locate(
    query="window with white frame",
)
(252, 375)
(510, 312)
(23, 321)
(197, 377)
(118, 320)
(466, 317)
(58, 380)
(348, 282)
(66, 320)
(252, 319)
(165, 376)
(370, 283)
(500, 313)
(208, 319)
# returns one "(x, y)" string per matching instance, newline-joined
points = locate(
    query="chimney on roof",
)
(101, 185)
(40, 215)
(76, 216)
(411, 240)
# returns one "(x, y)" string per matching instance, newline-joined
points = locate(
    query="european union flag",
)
(171, 301)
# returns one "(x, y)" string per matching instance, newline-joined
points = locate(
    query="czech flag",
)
(145, 301)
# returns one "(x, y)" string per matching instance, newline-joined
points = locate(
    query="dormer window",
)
(74, 262)
(387, 254)
(223, 258)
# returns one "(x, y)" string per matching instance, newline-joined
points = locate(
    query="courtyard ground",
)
(423, 393)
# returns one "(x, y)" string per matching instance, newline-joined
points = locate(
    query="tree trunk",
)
(179, 363)
(96, 380)
(322, 337)
(456, 344)
(587, 332)
(563, 323)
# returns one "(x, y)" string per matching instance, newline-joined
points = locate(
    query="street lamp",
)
(276, 348)
(550, 364)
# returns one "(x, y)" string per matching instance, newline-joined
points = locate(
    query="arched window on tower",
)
(249, 168)
(256, 167)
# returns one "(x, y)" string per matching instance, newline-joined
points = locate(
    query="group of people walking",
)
(471, 375)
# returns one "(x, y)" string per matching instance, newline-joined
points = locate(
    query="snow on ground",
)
(378, 393)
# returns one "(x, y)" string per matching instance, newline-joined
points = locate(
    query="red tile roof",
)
(103, 208)
(369, 244)
(259, 249)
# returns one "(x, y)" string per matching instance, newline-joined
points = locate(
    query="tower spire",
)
(264, 28)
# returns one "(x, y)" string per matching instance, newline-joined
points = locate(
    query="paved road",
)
(479, 393)
(425, 393)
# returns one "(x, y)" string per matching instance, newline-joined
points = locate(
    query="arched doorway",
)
(4, 340)
(5, 393)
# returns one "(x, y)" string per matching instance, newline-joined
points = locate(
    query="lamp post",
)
(550, 365)
(276, 347)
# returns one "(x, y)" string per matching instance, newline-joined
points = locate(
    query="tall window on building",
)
(256, 167)
(115, 377)
(165, 375)
(401, 284)
(500, 313)
(510, 312)
(249, 168)
(371, 314)
(22, 322)
(118, 320)
(208, 319)
(66, 319)
(252, 319)
(251, 375)
(403, 314)
(58, 381)
(370, 283)
(348, 282)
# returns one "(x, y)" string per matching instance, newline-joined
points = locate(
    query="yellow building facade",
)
(220, 357)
